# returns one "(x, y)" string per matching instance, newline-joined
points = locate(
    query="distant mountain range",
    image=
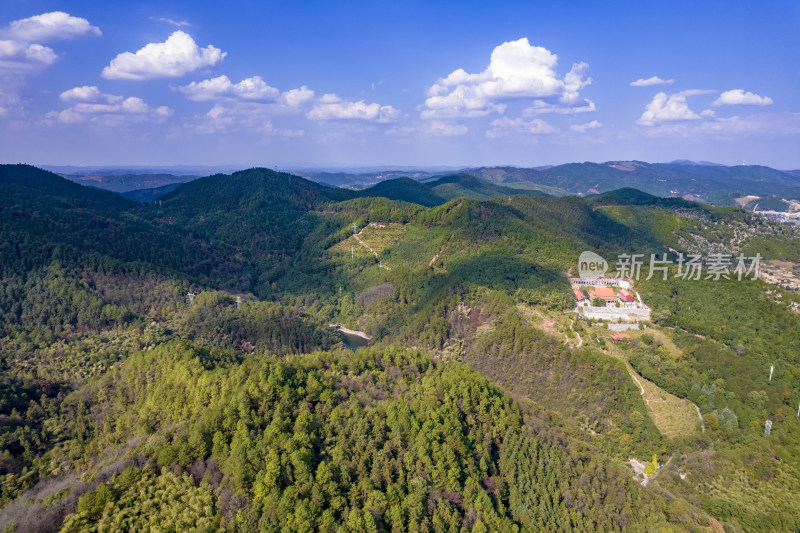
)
(713, 184)
(123, 183)
(743, 185)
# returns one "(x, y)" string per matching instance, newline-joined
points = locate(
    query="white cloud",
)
(88, 93)
(665, 108)
(516, 70)
(733, 128)
(178, 23)
(295, 98)
(584, 127)
(250, 90)
(707, 113)
(175, 57)
(93, 106)
(655, 80)
(242, 116)
(246, 106)
(332, 107)
(17, 57)
(221, 87)
(574, 81)
(438, 128)
(740, 97)
(49, 27)
(541, 107)
(21, 55)
(504, 126)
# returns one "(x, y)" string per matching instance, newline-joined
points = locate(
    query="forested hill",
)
(45, 218)
(469, 186)
(151, 194)
(25, 183)
(172, 364)
(437, 191)
(406, 190)
(253, 189)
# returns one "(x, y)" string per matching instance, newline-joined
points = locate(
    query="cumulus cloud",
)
(17, 57)
(242, 116)
(21, 51)
(541, 107)
(175, 57)
(585, 127)
(655, 80)
(249, 90)
(332, 107)
(295, 98)
(516, 70)
(88, 93)
(49, 27)
(574, 81)
(504, 126)
(740, 97)
(221, 87)
(665, 108)
(93, 106)
(246, 106)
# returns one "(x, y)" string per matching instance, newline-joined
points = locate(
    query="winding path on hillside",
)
(580, 339)
(672, 416)
(702, 422)
(435, 257)
(367, 246)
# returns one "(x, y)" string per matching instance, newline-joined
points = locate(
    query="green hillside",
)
(468, 186)
(150, 195)
(436, 191)
(126, 405)
(406, 190)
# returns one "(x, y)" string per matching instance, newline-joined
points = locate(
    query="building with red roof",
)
(625, 296)
(579, 297)
(604, 293)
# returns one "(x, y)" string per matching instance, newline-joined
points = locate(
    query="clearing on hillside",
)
(673, 416)
(372, 240)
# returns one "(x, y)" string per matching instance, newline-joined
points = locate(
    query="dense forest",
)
(171, 365)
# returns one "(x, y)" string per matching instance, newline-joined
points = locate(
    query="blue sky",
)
(294, 84)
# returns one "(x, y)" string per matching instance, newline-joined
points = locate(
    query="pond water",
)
(353, 341)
